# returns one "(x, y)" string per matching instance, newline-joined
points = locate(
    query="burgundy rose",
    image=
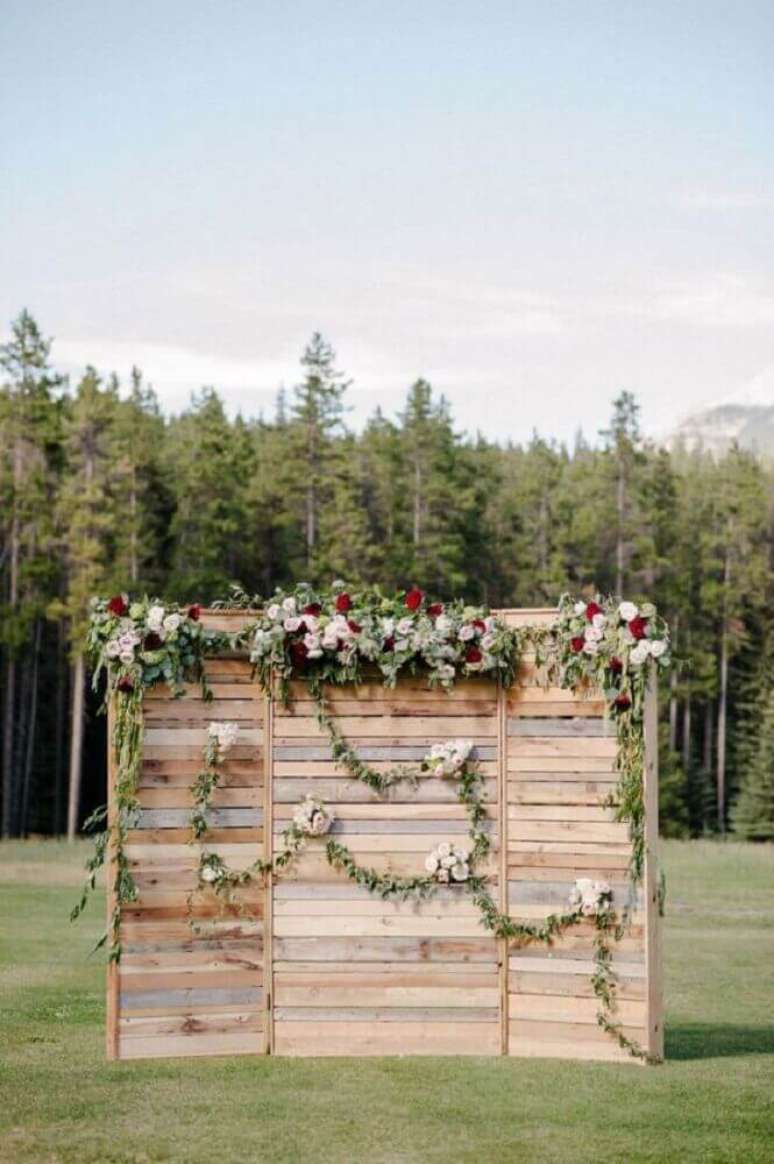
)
(152, 641)
(314, 609)
(472, 655)
(592, 609)
(125, 684)
(414, 598)
(622, 702)
(638, 627)
(577, 644)
(479, 624)
(389, 643)
(298, 651)
(615, 665)
(194, 612)
(117, 606)
(343, 603)
(434, 609)
(355, 627)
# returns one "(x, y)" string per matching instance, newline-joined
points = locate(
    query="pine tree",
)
(753, 817)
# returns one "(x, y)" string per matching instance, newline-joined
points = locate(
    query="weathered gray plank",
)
(171, 818)
(385, 950)
(430, 791)
(585, 727)
(191, 996)
(353, 827)
(556, 893)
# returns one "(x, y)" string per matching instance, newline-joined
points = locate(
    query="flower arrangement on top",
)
(332, 636)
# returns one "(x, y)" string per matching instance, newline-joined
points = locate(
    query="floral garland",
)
(334, 639)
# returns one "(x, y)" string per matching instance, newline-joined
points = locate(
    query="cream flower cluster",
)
(224, 734)
(448, 862)
(448, 759)
(590, 897)
(131, 632)
(313, 817)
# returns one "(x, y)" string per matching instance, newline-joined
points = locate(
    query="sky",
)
(531, 205)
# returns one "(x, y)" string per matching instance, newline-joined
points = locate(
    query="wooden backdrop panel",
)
(315, 966)
(195, 987)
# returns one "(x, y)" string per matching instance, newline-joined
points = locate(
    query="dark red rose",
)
(577, 644)
(125, 683)
(622, 701)
(194, 612)
(638, 627)
(152, 641)
(479, 624)
(615, 665)
(434, 609)
(314, 609)
(472, 655)
(414, 598)
(117, 606)
(298, 651)
(389, 643)
(343, 603)
(592, 609)
(355, 627)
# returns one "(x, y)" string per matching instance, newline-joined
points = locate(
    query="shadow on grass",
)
(716, 1040)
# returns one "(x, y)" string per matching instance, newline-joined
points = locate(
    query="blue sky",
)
(533, 205)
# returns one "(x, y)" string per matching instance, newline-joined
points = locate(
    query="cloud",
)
(722, 200)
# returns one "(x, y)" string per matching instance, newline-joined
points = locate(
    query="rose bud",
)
(472, 655)
(615, 665)
(434, 609)
(117, 606)
(125, 684)
(414, 598)
(577, 644)
(591, 609)
(343, 603)
(622, 701)
(314, 609)
(194, 612)
(638, 626)
(479, 624)
(355, 627)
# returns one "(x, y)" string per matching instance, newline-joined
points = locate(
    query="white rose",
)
(590, 648)
(579, 608)
(444, 849)
(209, 874)
(639, 653)
(488, 640)
(489, 622)
(128, 641)
(292, 624)
(466, 633)
(592, 634)
(657, 648)
(448, 862)
(599, 621)
(446, 671)
(155, 618)
(113, 649)
(443, 624)
(627, 611)
(127, 657)
(311, 622)
(289, 605)
(273, 612)
(388, 627)
(171, 623)
(405, 626)
(461, 872)
(431, 863)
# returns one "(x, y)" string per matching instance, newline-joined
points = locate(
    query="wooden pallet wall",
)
(315, 966)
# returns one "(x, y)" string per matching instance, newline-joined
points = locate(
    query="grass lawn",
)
(712, 1101)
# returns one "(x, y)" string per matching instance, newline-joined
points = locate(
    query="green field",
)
(712, 1101)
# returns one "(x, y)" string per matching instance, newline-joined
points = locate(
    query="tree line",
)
(100, 492)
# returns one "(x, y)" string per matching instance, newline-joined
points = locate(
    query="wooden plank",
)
(177, 796)
(208, 1023)
(392, 949)
(543, 747)
(382, 997)
(176, 737)
(268, 937)
(188, 1046)
(569, 831)
(560, 767)
(581, 729)
(191, 997)
(655, 1015)
(428, 1012)
(176, 818)
(565, 1041)
(112, 972)
(559, 791)
(355, 975)
(577, 985)
(398, 925)
(375, 727)
(562, 812)
(368, 1038)
(395, 752)
(572, 1009)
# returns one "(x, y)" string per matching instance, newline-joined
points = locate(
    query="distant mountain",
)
(716, 428)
